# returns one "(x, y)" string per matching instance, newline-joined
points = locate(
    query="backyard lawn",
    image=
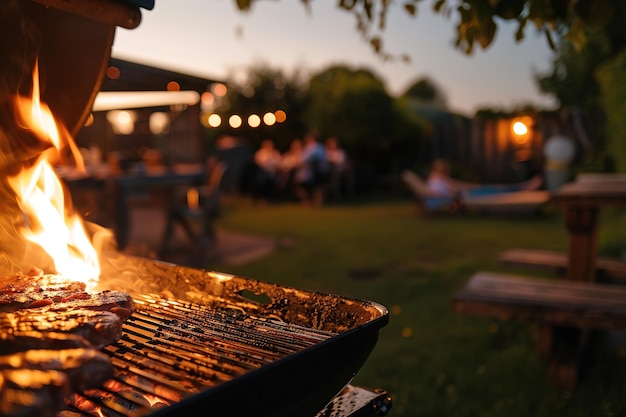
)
(432, 361)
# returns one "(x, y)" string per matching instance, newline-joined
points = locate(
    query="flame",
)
(49, 222)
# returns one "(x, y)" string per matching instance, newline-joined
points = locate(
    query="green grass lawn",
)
(432, 361)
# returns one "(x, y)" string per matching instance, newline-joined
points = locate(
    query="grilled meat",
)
(50, 333)
(13, 342)
(99, 328)
(85, 368)
(31, 392)
(35, 290)
(118, 302)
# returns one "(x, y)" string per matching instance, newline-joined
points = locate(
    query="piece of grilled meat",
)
(85, 367)
(13, 342)
(35, 290)
(118, 302)
(32, 392)
(99, 328)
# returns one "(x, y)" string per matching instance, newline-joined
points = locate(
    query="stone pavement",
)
(230, 248)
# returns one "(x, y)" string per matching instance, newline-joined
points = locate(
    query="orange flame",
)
(51, 223)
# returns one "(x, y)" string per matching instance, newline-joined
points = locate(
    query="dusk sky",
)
(214, 40)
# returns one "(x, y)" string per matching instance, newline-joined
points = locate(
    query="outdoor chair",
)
(195, 209)
(511, 203)
(428, 201)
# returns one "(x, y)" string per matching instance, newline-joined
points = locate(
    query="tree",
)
(265, 89)
(426, 91)
(354, 106)
(477, 20)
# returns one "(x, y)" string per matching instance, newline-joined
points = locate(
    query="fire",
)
(49, 221)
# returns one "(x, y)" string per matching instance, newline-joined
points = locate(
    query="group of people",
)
(309, 169)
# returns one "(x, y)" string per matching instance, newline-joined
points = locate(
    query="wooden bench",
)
(565, 311)
(609, 268)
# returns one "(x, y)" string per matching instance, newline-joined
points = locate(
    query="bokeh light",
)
(173, 86)
(281, 116)
(215, 120)
(269, 118)
(219, 89)
(254, 120)
(235, 121)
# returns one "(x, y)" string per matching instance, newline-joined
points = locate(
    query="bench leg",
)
(564, 348)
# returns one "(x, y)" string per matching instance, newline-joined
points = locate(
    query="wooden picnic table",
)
(116, 189)
(125, 185)
(566, 311)
(582, 201)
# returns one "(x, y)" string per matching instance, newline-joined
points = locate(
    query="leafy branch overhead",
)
(477, 20)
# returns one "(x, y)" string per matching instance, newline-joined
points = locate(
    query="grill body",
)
(246, 347)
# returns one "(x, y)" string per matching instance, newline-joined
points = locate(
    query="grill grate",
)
(171, 349)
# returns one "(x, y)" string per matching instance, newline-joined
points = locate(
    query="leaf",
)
(382, 17)
(347, 4)
(438, 5)
(482, 11)
(509, 9)
(519, 33)
(367, 7)
(487, 33)
(576, 34)
(244, 4)
(549, 39)
(376, 43)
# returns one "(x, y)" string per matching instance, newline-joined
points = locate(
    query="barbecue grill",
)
(214, 342)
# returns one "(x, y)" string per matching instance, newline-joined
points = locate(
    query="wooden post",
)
(582, 225)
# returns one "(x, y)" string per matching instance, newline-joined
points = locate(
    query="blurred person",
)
(316, 169)
(267, 160)
(291, 172)
(338, 162)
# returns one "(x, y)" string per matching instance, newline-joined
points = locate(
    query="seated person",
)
(451, 192)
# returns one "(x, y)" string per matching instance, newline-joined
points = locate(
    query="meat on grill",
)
(35, 289)
(40, 290)
(50, 333)
(17, 341)
(99, 328)
(118, 302)
(32, 392)
(85, 367)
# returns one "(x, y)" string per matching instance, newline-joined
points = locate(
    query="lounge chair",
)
(505, 203)
(508, 203)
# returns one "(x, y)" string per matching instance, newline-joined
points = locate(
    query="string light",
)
(235, 121)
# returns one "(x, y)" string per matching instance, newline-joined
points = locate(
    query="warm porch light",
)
(520, 128)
